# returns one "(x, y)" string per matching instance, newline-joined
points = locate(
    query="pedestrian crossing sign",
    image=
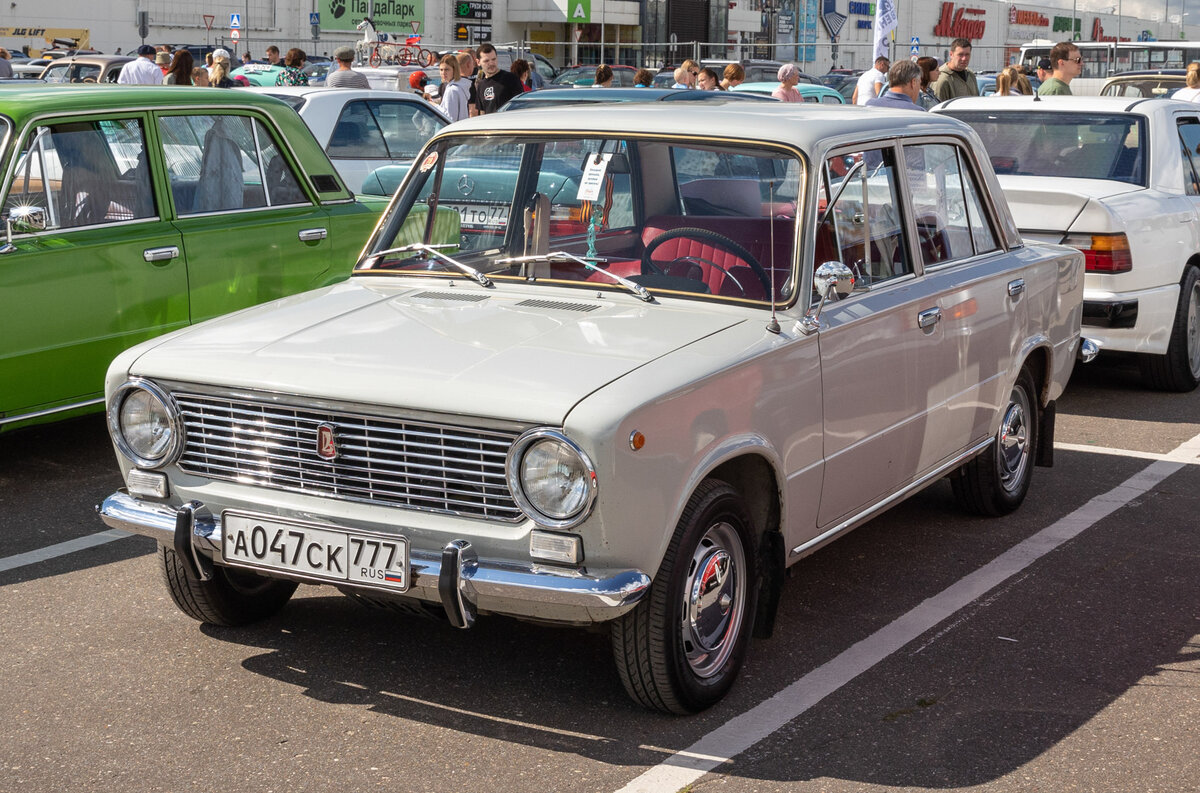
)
(235, 20)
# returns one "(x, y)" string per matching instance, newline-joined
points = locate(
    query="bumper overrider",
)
(453, 575)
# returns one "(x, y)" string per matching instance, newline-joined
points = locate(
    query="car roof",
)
(96, 59)
(344, 93)
(589, 95)
(806, 126)
(767, 87)
(1067, 104)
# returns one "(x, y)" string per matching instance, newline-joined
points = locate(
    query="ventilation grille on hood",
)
(459, 297)
(557, 304)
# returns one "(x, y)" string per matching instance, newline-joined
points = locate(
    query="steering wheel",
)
(710, 238)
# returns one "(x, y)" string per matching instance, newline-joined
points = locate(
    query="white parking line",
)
(737, 735)
(60, 549)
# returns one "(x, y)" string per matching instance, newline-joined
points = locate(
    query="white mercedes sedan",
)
(362, 130)
(1119, 179)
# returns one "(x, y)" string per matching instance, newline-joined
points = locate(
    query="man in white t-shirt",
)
(871, 82)
(141, 70)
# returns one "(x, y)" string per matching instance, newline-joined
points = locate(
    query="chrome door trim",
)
(929, 317)
(1016, 287)
(880, 506)
(312, 235)
(49, 411)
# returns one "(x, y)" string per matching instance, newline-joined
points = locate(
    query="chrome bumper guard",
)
(455, 576)
(1088, 350)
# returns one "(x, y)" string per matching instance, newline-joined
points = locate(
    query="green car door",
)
(251, 231)
(94, 264)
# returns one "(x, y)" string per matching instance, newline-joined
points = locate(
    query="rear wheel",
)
(996, 481)
(230, 597)
(680, 649)
(1179, 368)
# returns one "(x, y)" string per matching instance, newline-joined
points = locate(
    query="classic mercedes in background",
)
(617, 365)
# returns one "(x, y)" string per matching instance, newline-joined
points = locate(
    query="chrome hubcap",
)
(1013, 441)
(714, 600)
(1193, 330)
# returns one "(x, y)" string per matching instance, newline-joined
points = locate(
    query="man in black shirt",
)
(493, 86)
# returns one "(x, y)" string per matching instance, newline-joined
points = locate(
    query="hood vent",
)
(559, 305)
(458, 297)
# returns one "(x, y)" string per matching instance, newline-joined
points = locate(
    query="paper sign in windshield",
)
(593, 177)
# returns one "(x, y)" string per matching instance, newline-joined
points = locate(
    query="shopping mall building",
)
(815, 33)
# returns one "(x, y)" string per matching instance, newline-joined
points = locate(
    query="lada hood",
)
(521, 353)
(1041, 204)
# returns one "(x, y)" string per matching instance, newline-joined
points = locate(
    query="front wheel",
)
(680, 649)
(995, 482)
(230, 597)
(1179, 369)
(376, 58)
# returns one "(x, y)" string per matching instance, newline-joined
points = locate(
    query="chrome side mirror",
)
(24, 219)
(27, 219)
(831, 280)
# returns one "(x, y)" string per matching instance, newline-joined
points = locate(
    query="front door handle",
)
(929, 317)
(312, 235)
(160, 254)
(1016, 287)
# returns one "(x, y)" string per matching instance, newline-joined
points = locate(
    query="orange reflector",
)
(636, 440)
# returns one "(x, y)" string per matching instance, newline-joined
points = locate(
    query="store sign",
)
(389, 15)
(1064, 24)
(862, 9)
(473, 9)
(954, 24)
(1098, 32)
(1030, 18)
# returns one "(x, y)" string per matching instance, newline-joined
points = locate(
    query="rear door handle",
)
(160, 254)
(312, 235)
(929, 317)
(1016, 287)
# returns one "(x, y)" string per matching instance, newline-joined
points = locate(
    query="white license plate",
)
(476, 215)
(315, 551)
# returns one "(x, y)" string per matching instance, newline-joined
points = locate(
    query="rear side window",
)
(218, 163)
(379, 128)
(84, 173)
(1189, 140)
(1070, 145)
(947, 207)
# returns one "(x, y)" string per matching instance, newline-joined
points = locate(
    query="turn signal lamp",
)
(1103, 253)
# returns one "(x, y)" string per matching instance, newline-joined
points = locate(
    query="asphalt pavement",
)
(1057, 649)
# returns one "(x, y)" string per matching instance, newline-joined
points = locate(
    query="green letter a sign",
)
(579, 12)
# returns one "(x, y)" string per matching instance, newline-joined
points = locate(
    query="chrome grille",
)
(414, 464)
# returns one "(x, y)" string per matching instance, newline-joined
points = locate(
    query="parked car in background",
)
(258, 74)
(84, 69)
(112, 240)
(844, 82)
(587, 96)
(987, 83)
(30, 70)
(757, 71)
(615, 365)
(1155, 84)
(583, 76)
(396, 78)
(819, 94)
(1120, 180)
(316, 73)
(363, 130)
(506, 55)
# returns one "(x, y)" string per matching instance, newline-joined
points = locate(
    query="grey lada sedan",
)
(618, 365)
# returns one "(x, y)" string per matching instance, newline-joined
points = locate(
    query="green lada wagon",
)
(130, 211)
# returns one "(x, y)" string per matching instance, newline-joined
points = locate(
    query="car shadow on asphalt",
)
(1112, 387)
(1085, 625)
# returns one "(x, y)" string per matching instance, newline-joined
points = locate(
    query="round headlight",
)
(145, 424)
(551, 478)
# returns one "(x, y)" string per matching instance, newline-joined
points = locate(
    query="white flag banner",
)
(885, 23)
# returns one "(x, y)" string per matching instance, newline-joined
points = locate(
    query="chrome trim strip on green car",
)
(880, 506)
(51, 411)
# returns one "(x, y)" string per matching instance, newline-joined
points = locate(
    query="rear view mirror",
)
(27, 219)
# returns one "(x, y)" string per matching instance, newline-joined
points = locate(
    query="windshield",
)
(1066, 145)
(704, 219)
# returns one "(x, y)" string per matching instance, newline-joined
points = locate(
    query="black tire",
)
(1179, 369)
(231, 597)
(681, 654)
(995, 482)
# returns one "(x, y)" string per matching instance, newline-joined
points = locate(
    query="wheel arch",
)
(759, 482)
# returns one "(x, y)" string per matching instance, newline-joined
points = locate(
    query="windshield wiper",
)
(433, 250)
(637, 289)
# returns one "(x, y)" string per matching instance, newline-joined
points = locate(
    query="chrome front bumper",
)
(452, 576)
